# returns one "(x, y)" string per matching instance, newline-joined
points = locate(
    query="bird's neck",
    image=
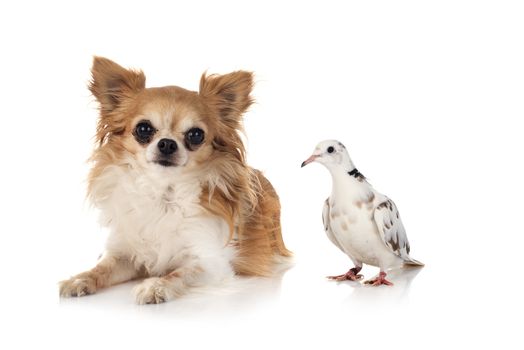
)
(348, 180)
(340, 173)
(342, 170)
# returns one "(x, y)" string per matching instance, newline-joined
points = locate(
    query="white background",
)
(427, 97)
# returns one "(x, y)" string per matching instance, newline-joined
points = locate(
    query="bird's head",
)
(329, 153)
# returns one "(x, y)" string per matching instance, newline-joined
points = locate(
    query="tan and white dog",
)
(170, 178)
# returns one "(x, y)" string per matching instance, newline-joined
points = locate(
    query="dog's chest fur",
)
(156, 221)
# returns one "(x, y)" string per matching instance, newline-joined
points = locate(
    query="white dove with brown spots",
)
(360, 221)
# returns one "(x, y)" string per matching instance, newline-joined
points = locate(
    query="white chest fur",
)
(157, 221)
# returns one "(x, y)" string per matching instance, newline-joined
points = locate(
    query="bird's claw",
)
(346, 277)
(379, 280)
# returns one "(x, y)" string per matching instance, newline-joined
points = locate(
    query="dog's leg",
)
(194, 273)
(109, 271)
(156, 290)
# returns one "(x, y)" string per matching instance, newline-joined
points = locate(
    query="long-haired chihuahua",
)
(170, 178)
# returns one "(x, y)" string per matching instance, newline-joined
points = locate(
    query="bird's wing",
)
(327, 225)
(391, 229)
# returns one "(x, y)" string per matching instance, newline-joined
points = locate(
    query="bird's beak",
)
(309, 160)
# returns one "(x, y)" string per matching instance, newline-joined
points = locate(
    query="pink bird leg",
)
(351, 275)
(381, 279)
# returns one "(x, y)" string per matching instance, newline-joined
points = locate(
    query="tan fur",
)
(242, 196)
(109, 271)
(161, 289)
(258, 228)
(260, 237)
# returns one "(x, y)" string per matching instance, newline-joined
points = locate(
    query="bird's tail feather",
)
(413, 262)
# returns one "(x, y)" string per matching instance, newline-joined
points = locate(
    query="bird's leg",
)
(380, 279)
(351, 275)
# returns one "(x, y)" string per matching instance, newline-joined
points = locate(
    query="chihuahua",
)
(170, 179)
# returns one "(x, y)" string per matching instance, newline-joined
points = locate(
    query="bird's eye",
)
(331, 149)
(144, 131)
(195, 136)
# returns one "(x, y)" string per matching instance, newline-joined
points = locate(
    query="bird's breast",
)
(355, 230)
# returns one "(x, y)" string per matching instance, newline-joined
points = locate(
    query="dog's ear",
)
(111, 83)
(227, 95)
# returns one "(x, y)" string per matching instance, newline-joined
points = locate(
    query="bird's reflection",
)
(402, 279)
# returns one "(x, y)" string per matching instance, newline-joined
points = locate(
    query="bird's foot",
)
(380, 279)
(351, 275)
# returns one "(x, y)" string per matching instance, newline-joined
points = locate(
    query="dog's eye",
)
(195, 136)
(331, 149)
(144, 131)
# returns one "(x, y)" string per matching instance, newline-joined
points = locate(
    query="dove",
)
(361, 222)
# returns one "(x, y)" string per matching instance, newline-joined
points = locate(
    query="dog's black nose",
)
(167, 146)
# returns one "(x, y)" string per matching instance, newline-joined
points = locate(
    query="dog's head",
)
(168, 128)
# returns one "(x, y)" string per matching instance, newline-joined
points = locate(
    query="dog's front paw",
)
(153, 290)
(77, 286)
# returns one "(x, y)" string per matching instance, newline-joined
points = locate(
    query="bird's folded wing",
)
(391, 229)
(327, 225)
